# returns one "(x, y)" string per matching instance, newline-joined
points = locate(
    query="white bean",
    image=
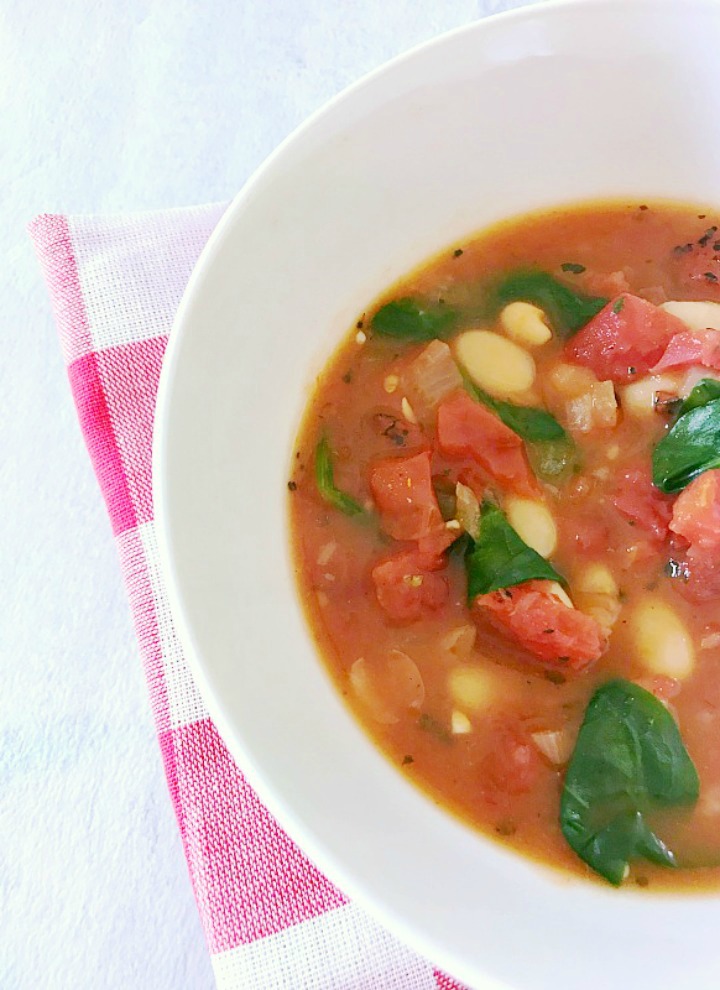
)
(525, 323)
(596, 579)
(638, 398)
(695, 315)
(495, 363)
(557, 591)
(472, 687)
(533, 522)
(662, 642)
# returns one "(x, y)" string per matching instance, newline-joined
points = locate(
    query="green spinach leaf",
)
(567, 310)
(529, 423)
(705, 391)
(629, 760)
(412, 321)
(325, 480)
(499, 558)
(691, 447)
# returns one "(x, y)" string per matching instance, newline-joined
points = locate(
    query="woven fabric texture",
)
(270, 918)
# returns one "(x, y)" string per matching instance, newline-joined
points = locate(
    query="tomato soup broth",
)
(505, 519)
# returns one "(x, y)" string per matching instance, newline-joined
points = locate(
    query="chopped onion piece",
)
(710, 641)
(460, 723)
(555, 744)
(433, 375)
(596, 408)
(388, 686)
(459, 641)
(467, 510)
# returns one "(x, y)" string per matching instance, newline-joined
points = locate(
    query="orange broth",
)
(493, 776)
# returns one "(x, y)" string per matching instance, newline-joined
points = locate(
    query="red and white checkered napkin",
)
(272, 921)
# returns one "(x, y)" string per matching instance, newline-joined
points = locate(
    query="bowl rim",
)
(219, 711)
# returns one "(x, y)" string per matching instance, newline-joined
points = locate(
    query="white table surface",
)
(118, 105)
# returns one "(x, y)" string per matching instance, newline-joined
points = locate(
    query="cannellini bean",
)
(388, 686)
(638, 398)
(559, 592)
(533, 522)
(571, 380)
(460, 723)
(596, 579)
(525, 323)
(471, 687)
(496, 364)
(662, 642)
(696, 315)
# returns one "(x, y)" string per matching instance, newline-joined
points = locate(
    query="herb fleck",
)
(710, 276)
(347, 377)
(707, 236)
(683, 248)
(642, 881)
(388, 426)
(573, 268)
(360, 324)
(555, 677)
(431, 725)
(617, 308)
(457, 252)
(642, 207)
(292, 486)
(406, 760)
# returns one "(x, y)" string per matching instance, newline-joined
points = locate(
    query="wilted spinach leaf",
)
(412, 321)
(705, 391)
(325, 480)
(691, 447)
(567, 310)
(629, 760)
(529, 423)
(499, 558)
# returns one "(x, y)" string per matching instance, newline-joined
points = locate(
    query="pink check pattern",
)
(272, 921)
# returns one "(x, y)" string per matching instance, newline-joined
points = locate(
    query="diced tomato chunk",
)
(702, 582)
(625, 339)
(532, 615)
(692, 347)
(642, 504)
(403, 491)
(696, 513)
(513, 765)
(407, 586)
(465, 428)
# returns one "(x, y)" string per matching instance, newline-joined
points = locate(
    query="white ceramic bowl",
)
(549, 104)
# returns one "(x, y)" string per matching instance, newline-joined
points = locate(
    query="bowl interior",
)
(551, 104)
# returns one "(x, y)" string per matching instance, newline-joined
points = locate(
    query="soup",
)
(505, 515)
